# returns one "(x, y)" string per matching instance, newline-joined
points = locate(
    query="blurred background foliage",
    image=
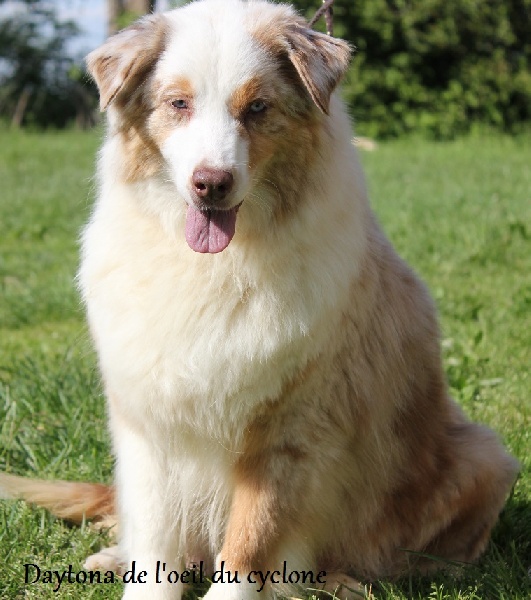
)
(438, 67)
(41, 83)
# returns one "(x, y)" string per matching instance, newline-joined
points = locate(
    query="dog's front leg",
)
(263, 537)
(148, 537)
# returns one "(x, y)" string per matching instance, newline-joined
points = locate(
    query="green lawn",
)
(460, 212)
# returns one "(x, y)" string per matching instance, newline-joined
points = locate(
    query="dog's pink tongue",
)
(210, 230)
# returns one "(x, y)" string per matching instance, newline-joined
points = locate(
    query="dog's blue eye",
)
(257, 106)
(181, 104)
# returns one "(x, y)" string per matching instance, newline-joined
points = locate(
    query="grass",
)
(460, 212)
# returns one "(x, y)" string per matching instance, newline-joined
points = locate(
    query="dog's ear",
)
(123, 60)
(320, 60)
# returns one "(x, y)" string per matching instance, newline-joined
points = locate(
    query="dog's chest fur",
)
(208, 339)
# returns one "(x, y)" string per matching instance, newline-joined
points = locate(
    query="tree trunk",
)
(122, 12)
(141, 7)
(114, 9)
(20, 109)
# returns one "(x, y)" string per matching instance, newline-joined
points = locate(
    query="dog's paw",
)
(152, 591)
(343, 587)
(136, 592)
(237, 591)
(107, 559)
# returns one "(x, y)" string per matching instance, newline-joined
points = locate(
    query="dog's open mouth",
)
(210, 231)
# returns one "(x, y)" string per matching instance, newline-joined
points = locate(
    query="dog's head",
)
(219, 96)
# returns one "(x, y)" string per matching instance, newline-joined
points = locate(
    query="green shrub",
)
(438, 66)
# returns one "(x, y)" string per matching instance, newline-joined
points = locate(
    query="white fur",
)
(211, 138)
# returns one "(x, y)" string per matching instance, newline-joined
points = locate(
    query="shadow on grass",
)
(503, 573)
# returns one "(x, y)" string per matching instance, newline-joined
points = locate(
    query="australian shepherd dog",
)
(272, 368)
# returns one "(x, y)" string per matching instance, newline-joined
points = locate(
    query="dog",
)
(272, 368)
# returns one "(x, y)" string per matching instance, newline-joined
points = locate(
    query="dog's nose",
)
(212, 184)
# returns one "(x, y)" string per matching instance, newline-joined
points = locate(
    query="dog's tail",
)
(68, 500)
